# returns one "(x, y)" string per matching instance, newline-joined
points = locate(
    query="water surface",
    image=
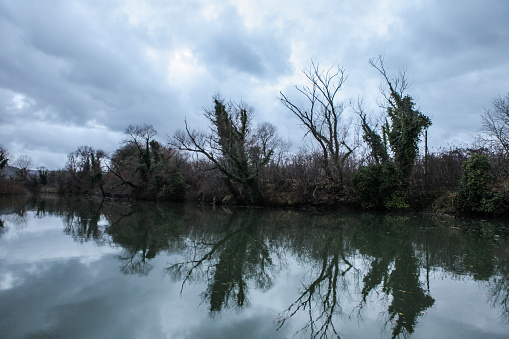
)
(92, 269)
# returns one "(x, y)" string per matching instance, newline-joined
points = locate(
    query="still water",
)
(92, 269)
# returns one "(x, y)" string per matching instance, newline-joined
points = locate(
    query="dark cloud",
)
(109, 64)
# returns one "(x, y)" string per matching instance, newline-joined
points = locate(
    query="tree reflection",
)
(82, 221)
(142, 233)
(499, 293)
(498, 284)
(351, 261)
(409, 300)
(229, 261)
(322, 296)
(2, 227)
(395, 268)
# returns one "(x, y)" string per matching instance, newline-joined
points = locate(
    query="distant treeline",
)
(236, 162)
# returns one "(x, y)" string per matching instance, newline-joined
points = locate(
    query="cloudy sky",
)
(79, 72)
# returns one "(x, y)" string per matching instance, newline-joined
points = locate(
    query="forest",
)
(381, 165)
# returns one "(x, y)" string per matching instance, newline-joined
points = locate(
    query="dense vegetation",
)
(237, 162)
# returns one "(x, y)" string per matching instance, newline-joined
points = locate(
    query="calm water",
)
(86, 269)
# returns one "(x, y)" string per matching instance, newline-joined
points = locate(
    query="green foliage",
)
(232, 126)
(384, 185)
(407, 124)
(233, 148)
(174, 188)
(403, 124)
(475, 194)
(380, 186)
(374, 140)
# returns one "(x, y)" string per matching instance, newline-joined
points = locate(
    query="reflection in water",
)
(321, 298)
(364, 259)
(143, 238)
(395, 269)
(228, 260)
(83, 223)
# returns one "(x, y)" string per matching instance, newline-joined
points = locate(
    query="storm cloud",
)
(78, 73)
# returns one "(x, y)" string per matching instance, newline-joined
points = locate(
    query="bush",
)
(175, 187)
(475, 194)
(380, 186)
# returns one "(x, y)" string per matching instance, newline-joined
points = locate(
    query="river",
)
(86, 268)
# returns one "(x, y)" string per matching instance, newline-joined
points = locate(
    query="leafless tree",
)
(322, 117)
(495, 123)
(23, 164)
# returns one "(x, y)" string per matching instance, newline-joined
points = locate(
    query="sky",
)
(78, 73)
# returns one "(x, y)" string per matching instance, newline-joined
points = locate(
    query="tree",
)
(132, 163)
(4, 157)
(232, 147)
(403, 126)
(141, 137)
(399, 136)
(23, 164)
(495, 123)
(144, 167)
(85, 165)
(43, 175)
(322, 118)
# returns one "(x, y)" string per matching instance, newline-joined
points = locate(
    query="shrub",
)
(175, 187)
(475, 194)
(380, 186)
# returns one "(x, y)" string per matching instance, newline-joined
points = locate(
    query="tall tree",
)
(232, 147)
(322, 116)
(403, 125)
(384, 184)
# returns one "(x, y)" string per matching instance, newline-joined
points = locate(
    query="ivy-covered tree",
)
(403, 124)
(232, 147)
(397, 139)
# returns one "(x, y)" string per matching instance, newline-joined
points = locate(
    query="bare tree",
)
(23, 164)
(322, 118)
(265, 139)
(495, 123)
